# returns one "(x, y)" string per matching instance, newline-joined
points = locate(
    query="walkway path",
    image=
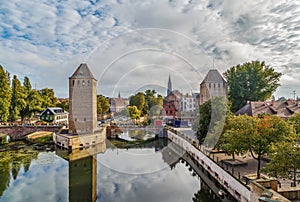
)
(238, 170)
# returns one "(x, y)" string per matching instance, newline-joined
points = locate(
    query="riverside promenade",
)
(234, 177)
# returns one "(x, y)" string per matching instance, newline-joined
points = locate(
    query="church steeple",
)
(169, 90)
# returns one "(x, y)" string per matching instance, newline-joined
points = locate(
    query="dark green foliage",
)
(5, 94)
(48, 98)
(211, 119)
(17, 100)
(251, 81)
(146, 101)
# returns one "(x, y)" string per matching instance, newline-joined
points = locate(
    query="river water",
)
(150, 173)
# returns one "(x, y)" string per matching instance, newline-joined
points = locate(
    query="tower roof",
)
(213, 76)
(82, 72)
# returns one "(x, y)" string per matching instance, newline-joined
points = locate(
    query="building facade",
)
(213, 85)
(172, 105)
(83, 101)
(190, 103)
(55, 115)
(118, 104)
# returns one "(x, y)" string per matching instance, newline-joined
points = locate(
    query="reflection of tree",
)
(11, 162)
(205, 194)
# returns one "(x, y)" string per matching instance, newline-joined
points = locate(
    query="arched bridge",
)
(20, 132)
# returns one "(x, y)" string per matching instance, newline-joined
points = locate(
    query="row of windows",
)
(214, 85)
(83, 83)
(51, 117)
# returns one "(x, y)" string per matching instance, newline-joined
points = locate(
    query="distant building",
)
(118, 104)
(281, 109)
(213, 85)
(189, 103)
(55, 115)
(83, 101)
(172, 105)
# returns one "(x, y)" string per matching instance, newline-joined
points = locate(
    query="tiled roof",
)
(82, 72)
(213, 76)
(282, 109)
(55, 110)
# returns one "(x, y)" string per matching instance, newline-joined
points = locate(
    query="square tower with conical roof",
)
(83, 101)
(213, 85)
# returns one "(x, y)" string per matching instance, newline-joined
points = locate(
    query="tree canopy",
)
(284, 160)
(5, 94)
(251, 81)
(102, 104)
(210, 121)
(146, 101)
(255, 134)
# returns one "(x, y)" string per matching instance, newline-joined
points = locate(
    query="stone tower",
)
(169, 90)
(83, 101)
(213, 85)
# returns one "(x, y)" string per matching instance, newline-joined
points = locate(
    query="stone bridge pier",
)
(21, 132)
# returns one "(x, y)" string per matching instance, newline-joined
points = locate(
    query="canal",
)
(152, 172)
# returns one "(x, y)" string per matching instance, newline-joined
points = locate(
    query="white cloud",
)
(40, 38)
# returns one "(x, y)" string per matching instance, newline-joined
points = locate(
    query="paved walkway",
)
(238, 170)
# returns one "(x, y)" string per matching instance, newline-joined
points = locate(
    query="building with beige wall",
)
(83, 101)
(213, 85)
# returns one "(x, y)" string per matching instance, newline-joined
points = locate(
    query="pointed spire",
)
(169, 90)
(119, 95)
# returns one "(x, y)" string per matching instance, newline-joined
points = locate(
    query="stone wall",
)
(232, 185)
(20, 132)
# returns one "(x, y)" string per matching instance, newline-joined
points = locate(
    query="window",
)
(209, 85)
(83, 83)
(73, 82)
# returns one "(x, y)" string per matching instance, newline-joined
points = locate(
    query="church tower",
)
(169, 90)
(83, 101)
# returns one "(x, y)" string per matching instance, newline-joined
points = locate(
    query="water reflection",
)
(11, 163)
(85, 175)
(83, 172)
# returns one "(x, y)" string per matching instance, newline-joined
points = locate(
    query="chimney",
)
(289, 101)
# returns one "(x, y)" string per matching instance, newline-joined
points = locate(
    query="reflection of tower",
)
(83, 171)
(169, 90)
(83, 101)
(83, 179)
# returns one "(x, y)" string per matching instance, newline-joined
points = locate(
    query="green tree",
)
(63, 104)
(134, 112)
(210, 122)
(251, 81)
(295, 121)
(234, 139)
(17, 99)
(202, 121)
(257, 134)
(33, 100)
(284, 161)
(102, 104)
(48, 97)
(5, 94)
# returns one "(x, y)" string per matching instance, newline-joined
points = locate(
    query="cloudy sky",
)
(134, 45)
